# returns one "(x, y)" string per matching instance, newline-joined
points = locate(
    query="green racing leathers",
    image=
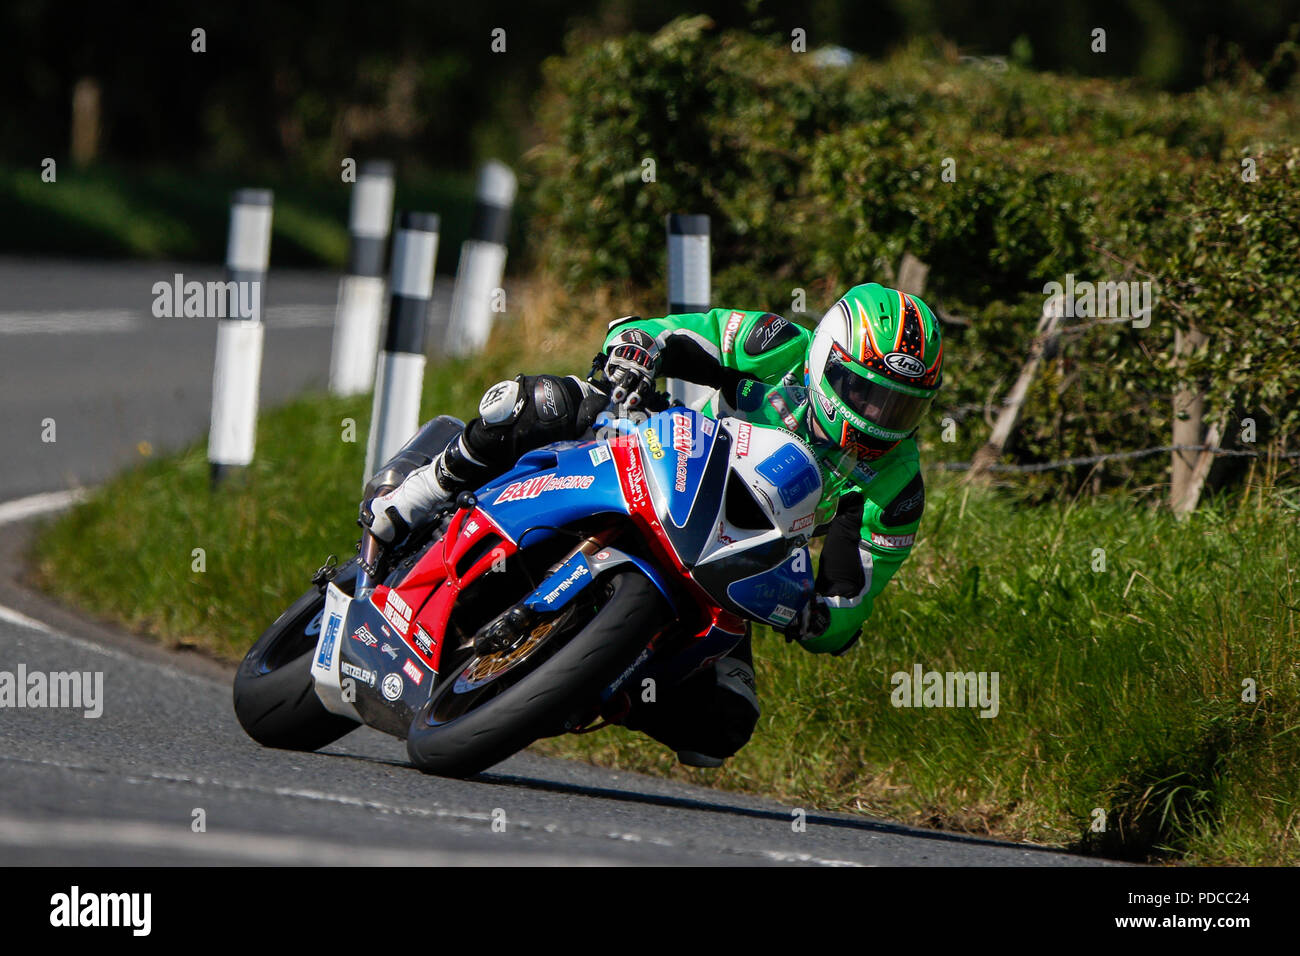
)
(870, 509)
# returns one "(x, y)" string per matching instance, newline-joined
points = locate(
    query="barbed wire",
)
(1115, 456)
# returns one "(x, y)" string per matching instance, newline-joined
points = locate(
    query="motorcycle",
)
(548, 600)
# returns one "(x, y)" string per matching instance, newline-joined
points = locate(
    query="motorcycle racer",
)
(854, 390)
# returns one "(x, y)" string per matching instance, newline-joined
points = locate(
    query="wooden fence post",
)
(1048, 332)
(1189, 468)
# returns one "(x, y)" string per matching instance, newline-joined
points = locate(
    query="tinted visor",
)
(884, 407)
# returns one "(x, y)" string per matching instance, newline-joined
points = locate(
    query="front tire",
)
(483, 734)
(275, 695)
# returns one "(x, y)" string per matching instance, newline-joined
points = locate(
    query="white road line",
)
(91, 321)
(466, 821)
(22, 620)
(19, 509)
(255, 847)
(80, 321)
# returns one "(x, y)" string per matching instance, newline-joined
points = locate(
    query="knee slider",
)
(502, 403)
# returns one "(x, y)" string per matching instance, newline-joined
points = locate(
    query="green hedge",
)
(818, 178)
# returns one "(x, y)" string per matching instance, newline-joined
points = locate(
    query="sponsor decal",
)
(532, 487)
(548, 398)
(791, 473)
(772, 330)
(801, 523)
(327, 643)
(729, 333)
(905, 364)
(905, 510)
(749, 395)
(423, 642)
(636, 479)
(574, 575)
(602, 556)
(360, 673)
(392, 687)
(828, 407)
(398, 612)
(683, 440)
(743, 435)
(652, 442)
(892, 540)
(470, 527)
(782, 409)
(364, 635)
(877, 432)
(782, 614)
(706, 426)
(390, 650)
(619, 681)
(412, 671)
(599, 455)
(864, 474)
(638, 338)
(682, 437)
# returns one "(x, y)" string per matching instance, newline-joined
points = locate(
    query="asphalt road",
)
(77, 343)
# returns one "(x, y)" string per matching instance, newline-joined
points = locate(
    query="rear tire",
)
(275, 695)
(524, 712)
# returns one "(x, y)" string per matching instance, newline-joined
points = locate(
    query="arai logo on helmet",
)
(905, 364)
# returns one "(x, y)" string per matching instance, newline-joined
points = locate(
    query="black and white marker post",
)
(482, 263)
(689, 287)
(400, 375)
(360, 312)
(236, 376)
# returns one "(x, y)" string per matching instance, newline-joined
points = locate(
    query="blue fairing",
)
(676, 446)
(775, 596)
(561, 483)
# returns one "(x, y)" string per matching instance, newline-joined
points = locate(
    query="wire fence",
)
(1116, 456)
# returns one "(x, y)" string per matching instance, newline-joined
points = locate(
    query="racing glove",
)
(809, 623)
(631, 366)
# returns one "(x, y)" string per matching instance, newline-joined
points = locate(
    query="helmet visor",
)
(889, 409)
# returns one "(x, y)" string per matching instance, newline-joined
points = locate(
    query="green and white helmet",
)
(875, 362)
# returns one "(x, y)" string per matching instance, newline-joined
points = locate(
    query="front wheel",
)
(491, 707)
(275, 694)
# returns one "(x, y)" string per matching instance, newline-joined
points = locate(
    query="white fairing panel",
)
(325, 659)
(754, 450)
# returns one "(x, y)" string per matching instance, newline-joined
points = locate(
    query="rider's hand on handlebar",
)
(810, 622)
(631, 367)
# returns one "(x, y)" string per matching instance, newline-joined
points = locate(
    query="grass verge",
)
(1148, 668)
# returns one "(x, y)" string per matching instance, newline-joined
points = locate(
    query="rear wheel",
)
(490, 707)
(275, 695)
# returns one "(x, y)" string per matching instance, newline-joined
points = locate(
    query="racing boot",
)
(709, 716)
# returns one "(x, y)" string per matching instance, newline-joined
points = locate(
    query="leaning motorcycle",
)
(543, 602)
